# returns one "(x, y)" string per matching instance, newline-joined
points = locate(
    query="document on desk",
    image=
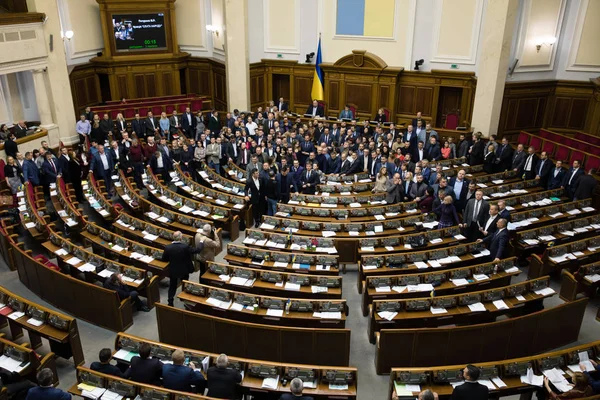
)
(218, 303)
(274, 312)
(421, 265)
(11, 365)
(236, 280)
(95, 393)
(488, 383)
(147, 259)
(387, 315)
(434, 263)
(30, 225)
(459, 237)
(460, 282)
(353, 233)
(367, 248)
(338, 387)
(477, 307)
(482, 253)
(87, 267)
(237, 307)
(264, 225)
(438, 310)
(292, 286)
(398, 289)
(545, 291)
(532, 379)
(511, 270)
(498, 382)
(126, 355)
(369, 267)
(319, 289)
(330, 315)
(328, 233)
(480, 277)
(279, 264)
(150, 237)
(455, 384)
(500, 305)
(585, 360)
(383, 289)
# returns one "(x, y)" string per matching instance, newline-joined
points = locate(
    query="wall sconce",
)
(66, 35)
(213, 29)
(548, 41)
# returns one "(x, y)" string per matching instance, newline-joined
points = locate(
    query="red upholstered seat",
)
(2, 165)
(576, 155)
(387, 113)
(324, 105)
(549, 147)
(592, 162)
(170, 109)
(561, 153)
(114, 113)
(544, 133)
(523, 138)
(129, 113)
(535, 142)
(196, 105)
(451, 121)
(353, 108)
(143, 111)
(181, 107)
(157, 110)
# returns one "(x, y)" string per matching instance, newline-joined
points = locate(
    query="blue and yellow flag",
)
(318, 80)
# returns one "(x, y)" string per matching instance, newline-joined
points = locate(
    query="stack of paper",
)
(292, 286)
(383, 289)
(545, 291)
(532, 379)
(90, 392)
(477, 307)
(218, 303)
(126, 355)
(273, 312)
(480, 277)
(387, 315)
(11, 365)
(438, 310)
(460, 282)
(500, 305)
(329, 315)
(87, 267)
(556, 376)
(236, 280)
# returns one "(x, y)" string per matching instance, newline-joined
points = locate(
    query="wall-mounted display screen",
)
(135, 32)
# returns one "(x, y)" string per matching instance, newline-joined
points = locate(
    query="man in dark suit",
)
(174, 125)
(296, 171)
(490, 227)
(50, 169)
(222, 381)
(471, 389)
(474, 215)
(587, 186)
(502, 211)
(309, 180)
(530, 164)
(543, 170)
(315, 109)
(138, 127)
(181, 377)
(460, 186)
(188, 123)
(213, 123)
(269, 123)
(102, 165)
(296, 388)
(104, 366)
(63, 164)
(106, 126)
(346, 164)
(144, 368)
(254, 192)
(571, 179)
(476, 157)
(504, 155)
(152, 126)
(365, 162)
(462, 149)
(419, 154)
(518, 160)
(411, 137)
(282, 106)
(46, 390)
(244, 156)
(20, 129)
(415, 121)
(433, 150)
(179, 257)
(333, 164)
(556, 176)
(89, 114)
(498, 241)
(10, 146)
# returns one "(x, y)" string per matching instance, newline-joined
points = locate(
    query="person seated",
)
(296, 387)
(471, 389)
(104, 366)
(222, 381)
(580, 389)
(426, 394)
(46, 389)
(145, 369)
(114, 283)
(180, 377)
(593, 377)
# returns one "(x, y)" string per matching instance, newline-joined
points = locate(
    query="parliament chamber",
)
(209, 199)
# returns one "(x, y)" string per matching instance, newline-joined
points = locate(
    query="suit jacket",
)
(185, 124)
(497, 244)
(97, 167)
(489, 163)
(145, 370)
(585, 188)
(345, 167)
(107, 369)
(173, 126)
(518, 162)
(50, 173)
(492, 228)
(462, 199)
(544, 170)
(320, 110)
(361, 164)
(106, 126)
(222, 382)
(468, 214)
(181, 377)
(267, 123)
(534, 163)
(11, 148)
(418, 190)
(415, 155)
(138, 127)
(408, 191)
(20, 131)
(395, 193)
(463, 149)
(505, 214)
(167, 165)
(179, 257)
(470, 391)
(333, 165)
(212, 153)
(313, 181)
(148, 126)
(31, 172)
(213, 124)
(63, 164)
(47, 393)
(257, 195)
(412, 140)
(504, 156)
(282, 106)
(575, 181)
(434, 152)
(554, 182)
(477, 152)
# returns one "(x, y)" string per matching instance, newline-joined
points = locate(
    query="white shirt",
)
(189, 117)
(314, 111)
(573, 175)
(159, 162)
(116, 153)
(529, 162)
(489, 222)
(256, 183)
(176, 121)
(104, 161)
(251, 126)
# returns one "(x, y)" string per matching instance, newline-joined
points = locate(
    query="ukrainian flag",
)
(318, 80)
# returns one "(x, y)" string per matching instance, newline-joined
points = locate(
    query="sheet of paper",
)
(271, 383)
(383, 289)
(438, 310)
(460, 282)
(477, 307)
(500, 305)
(280, 264)
(328, 233)
(292, 286)
(236, 280)
(480, 277)
(73, 261)
(498, 382)
(398, 289)
(421, 265)
(520, 297)
(272, 312)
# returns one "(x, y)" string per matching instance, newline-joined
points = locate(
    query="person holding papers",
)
(46, 390)
(181, 377)
(498, 241)
(581, 388)
(471, 389)
(144, 368)
(209, 240)
(593, 377)
(296, 387)
(179, 257)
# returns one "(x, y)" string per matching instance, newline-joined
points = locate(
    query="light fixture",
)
(548, 41)
(66, 35)
(213, 28)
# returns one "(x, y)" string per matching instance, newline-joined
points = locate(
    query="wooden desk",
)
(545, 264)
(241, 339)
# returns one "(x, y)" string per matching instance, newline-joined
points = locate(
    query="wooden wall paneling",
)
(334, 105)
(122, 83)
(578, 114)
(560, 114)
(361, 94)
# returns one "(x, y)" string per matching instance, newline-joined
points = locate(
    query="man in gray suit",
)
(518, 162)
(474, 215)
(175, 126)
(395, 190)
(213, 154)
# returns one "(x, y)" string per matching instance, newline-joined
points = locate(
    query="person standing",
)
(272, 193)
(498, 241)
(75, 170)
(222, 381)
(586, 187)
(210, 242)
(474, 215)
(102, 166)
(179, 257)
(13, 175)
(83, 128)
(571, 179)
(254, 193)
(31, 172)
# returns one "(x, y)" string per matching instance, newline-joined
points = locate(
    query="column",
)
(41, 97)
(237, 65)
(498, 27)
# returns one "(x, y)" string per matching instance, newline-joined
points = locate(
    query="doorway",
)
(449, 101)
(281, 87)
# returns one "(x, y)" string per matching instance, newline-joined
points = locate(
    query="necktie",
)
(528, 166)
(572, 176)
(152, 120)
(308, 176)
(541, 166)
(476, 210)
(53, 166)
